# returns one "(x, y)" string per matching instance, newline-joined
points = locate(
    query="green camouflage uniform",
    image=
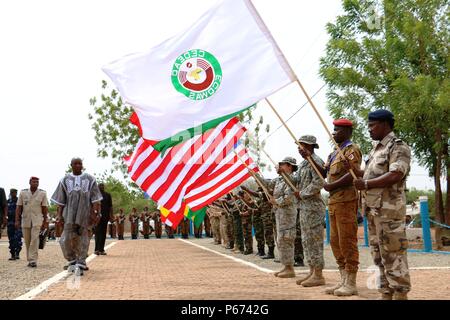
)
(265, 209)
(238, 235)
(247, 224)
(386, 210)
(258, 226)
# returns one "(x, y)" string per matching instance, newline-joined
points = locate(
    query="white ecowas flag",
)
(224, 63)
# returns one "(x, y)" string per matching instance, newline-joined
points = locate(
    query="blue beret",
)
(381, 115)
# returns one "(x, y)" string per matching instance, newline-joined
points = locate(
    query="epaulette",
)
(398, 140)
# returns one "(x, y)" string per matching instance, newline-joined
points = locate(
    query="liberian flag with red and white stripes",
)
(193, 167)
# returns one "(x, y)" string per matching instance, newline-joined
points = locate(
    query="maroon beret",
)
(343, 123)
(34, 178)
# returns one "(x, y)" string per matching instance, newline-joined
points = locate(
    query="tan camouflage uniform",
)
(386, 211)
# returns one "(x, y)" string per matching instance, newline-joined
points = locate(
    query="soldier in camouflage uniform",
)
(229, 218)
(235, 204)
(384, 203)
(214, 212)
(265, 211)
(286, 212)
(247, 211)
(312, 212)
(257, 224)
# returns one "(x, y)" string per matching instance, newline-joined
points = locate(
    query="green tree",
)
(116, 136)
(394, 54)
(123, 196)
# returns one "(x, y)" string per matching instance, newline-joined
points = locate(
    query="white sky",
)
(52, 51)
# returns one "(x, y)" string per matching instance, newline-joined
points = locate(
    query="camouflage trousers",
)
(224, 229)
(286, 218)
(268, 218)
(247, 232)
(215, 226)
(230, 229)
(311, 224)
(259, 230)
(237, 231)
(388, 245)
(298, 246)
(74, 243)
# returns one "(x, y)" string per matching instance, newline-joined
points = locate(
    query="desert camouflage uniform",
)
(312, 212)
(386, 211)
(214, 214)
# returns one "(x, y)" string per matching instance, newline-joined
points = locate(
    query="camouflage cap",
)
(308, 139)
(292, 161)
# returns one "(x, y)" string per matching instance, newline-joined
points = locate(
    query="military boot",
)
(13, 256)
(269, 254)
(311, 271)
(299, 263)
(315, 280)
(261, 252)
(343, 274)
(400, 295)
(385, 296)
(288, 272)
(248, 251)
(278, 272)
(349, 287)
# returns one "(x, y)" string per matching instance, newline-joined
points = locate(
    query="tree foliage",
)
(394, 54)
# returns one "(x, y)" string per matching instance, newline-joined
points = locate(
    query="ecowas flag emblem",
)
(196, 74)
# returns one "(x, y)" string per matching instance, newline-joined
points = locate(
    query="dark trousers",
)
(15, 239)
(100, 235)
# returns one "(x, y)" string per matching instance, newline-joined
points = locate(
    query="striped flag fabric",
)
(167, 177)
(229, 174)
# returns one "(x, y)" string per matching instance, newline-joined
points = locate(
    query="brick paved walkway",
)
(172, 269)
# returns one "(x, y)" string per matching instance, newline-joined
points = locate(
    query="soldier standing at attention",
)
(343, 208)
(120, 224)
(134, 221)
(384, 203)
(234, 203)
(312, 212)
(247, 211)
(184, 224)
(145, 218)
(230, 227)
(257, 223)
(158, 224)
(214, 212)
(286, 212)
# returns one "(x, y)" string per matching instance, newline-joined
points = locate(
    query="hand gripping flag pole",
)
(283, 174)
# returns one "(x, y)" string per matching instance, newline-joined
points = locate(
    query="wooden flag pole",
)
(266, 192)
(324, 125)
(295, 139)
(283, 174)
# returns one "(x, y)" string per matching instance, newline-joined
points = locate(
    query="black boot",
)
(261, 252)
(299, 263)
(269, 254)
(13, 257)
(248, 251)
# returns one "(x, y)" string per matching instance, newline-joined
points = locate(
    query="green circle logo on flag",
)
(196, 74)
